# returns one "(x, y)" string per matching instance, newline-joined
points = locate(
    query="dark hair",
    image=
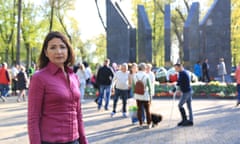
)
(178, 65)
(43, 60)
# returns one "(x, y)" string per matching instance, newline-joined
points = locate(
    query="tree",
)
(57, 14)
(7, 28)
(19, 31)
(101, 45)
(30, 32)
(156, 20)
(100, 16)
(235, 31)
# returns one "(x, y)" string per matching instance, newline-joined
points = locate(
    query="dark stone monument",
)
(191, 37)
(215, 35)
(121, 36)
(133, 45)
(144, 36)
(167, 35)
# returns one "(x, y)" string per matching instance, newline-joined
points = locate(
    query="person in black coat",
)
(22, 81)
(104, 80)
(205, 71)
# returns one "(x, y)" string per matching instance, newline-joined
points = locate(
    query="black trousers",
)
(73, 142)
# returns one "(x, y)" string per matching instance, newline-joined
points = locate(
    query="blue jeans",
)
(82, 90)
(238, 90)
(103, 88)
(187, 98)
(4, 88)
(124, 95)
(131, 93)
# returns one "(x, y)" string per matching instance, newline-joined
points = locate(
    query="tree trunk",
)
(51, 16)
(18, 31)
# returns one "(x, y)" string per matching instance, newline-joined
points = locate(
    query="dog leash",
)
(171, 114)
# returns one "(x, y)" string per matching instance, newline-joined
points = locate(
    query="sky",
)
(87, 16)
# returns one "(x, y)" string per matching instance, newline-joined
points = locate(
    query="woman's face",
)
(134, 69)
(57, 52)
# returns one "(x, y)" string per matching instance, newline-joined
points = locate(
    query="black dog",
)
(156, 119)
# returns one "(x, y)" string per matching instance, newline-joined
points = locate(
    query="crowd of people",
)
(122, 82)
(201, 70)
(15, 79)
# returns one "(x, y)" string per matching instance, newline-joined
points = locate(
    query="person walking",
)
(104, 79)
(88, 73)
(14, 72)
(142, 93)
(222, 69)
(54, 107)
(82, 77)
(151, 76)
(198, 70)
(22, 81)
(184, 89)
(205, 71)
(121, 87)
(237, 76)
(4, 81)
(133, 71)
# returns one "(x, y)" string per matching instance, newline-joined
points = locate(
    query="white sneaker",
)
(149, 126)
(140, 126)
(3, 99)
(112, 114)
(125, 115)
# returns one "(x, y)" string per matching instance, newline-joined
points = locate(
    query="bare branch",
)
(160, 7)
(60, 19)
(186, 5)
(100, 16)
(180, 14)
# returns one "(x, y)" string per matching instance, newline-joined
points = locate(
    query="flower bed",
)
(213, 89)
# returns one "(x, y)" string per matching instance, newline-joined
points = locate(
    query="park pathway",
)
(216, 122)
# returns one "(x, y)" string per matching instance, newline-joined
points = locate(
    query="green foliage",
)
(7, 28)
(156, 18)
(101, 47)
(34, 27)
(205, 90)
(235, 31)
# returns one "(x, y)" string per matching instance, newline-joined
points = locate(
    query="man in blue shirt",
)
(184, 89)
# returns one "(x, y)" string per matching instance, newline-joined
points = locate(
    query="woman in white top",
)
(152, 78)
(133, 71)
(143, 100)
(222, 69)
(121, 86)
(81, 73)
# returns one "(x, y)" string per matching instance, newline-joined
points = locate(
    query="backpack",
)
(139, 87)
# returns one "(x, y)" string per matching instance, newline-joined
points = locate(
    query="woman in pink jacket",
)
(237, 76)
(54, 108)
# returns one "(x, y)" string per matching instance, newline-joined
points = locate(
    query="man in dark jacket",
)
(205, 70)
(104, 80)
(184, 89)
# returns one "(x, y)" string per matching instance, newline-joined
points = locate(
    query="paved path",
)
(216, 122)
